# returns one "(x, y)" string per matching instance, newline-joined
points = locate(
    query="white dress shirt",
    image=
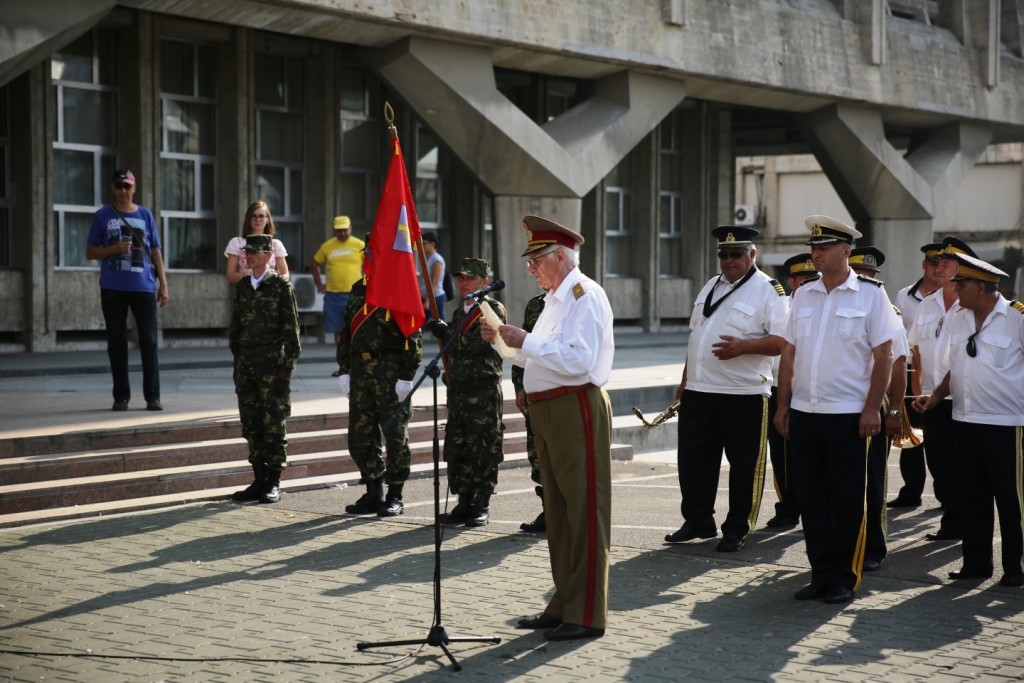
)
(834, 334)
(572, 342)
(751, 311)
(908, 300)
(989, 388)
(930, 334)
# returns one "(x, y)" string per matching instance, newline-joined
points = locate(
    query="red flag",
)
(391, 266)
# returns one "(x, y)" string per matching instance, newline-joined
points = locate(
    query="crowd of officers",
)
(824, 378)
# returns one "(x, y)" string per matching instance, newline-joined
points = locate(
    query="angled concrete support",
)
(892, 196)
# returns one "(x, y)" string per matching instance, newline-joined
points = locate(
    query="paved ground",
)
(225, 592)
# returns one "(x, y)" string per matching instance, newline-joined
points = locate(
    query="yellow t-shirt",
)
(344, 262)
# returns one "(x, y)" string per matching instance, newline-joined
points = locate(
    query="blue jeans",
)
(116, 305)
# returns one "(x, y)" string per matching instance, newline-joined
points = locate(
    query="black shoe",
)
(901, 502)
(120, 406)
(944, 535)
(479, 515)
(272, 493)
(837, 595)
(542, 620)
(461, 512)
(687, 533)
(154, 405)
(810, 592)
(391, 507)
(780, 521)
(1012, 580)
(537, 526)
(368, 504)
(251, 492)
(729, 544)
(871, 565)
(964, 574)
(573, 632)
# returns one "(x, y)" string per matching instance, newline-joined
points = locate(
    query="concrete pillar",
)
(893, 196)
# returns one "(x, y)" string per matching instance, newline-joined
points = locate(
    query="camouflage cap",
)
(474, 267)
(255, 243)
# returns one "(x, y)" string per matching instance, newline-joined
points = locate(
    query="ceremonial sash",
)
(361, 316)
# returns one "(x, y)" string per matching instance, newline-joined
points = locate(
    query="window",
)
(5, 179)
(427, 193)
(84, 138)
(359, 169)
(618, 208)
(188, 155)
(670, 197)
(279, 147)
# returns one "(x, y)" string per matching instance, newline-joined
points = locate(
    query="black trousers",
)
(782, 465)
(938, 434)
(992, 471)
(116, 305)
(831, 474)
(875, 495)
(709, 423)
(912, 459)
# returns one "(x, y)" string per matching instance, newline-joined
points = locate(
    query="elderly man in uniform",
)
(533, 308)
(908, 300)
(567, 359)
(264, 339)
(799, 269)
(986, 373)
(473, 435)
(724, 391)
(929, 338)
(378, 364)
(834, 373)
(867, 262)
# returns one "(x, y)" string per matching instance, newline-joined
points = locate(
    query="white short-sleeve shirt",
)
(930, 334)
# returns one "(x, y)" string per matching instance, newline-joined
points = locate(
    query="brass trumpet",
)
(910, 436)
(663, 416)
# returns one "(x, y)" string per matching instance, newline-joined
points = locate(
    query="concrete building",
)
(622, 118)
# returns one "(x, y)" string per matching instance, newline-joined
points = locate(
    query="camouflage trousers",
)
(263, 411)
(473, 440)
(372, 400)
(531, 456)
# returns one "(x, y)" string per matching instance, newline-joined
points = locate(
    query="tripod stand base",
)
(437, 637)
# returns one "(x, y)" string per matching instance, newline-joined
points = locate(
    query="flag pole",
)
(389, 117)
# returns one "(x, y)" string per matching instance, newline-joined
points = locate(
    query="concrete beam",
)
(453, 88)
(1011, 26)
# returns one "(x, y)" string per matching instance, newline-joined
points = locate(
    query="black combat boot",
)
(255, 489)
(480, 513)
(539, 525)
(271, 487)
(462, 510)
(392, 505)
(370, 501)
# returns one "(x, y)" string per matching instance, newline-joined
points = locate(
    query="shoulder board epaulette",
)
(897, 309)
(865, 278)
(778, 287)
(577, 290)
(1018, 305)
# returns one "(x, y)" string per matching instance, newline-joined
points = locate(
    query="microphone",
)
(493, 287)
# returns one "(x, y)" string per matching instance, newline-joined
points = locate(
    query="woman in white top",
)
(258, 221)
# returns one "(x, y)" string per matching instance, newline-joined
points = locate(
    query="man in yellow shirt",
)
(343, 256)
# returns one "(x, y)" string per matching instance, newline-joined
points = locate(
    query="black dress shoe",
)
(871, 565)
(901, 502)
(944, 535)
(810, 592)
(573, 632)
(688, 533)
(1012, 580)
(780, 521)
(837, 595)
(729, 544)
(537, 526)
(542, 620)
(963, 574)
(120, 406)
(154, 405)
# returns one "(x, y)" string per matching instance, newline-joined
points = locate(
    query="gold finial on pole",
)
(389, 116)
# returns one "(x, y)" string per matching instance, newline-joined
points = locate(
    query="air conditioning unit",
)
(308, 299)
(744, 214)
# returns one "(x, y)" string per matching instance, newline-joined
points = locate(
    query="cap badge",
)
(816, 231)
(730, 237)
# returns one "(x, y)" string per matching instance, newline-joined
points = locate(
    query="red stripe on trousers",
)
(588, 436)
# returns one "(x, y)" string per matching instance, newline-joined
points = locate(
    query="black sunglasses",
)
(122, 186)
(730, 254)
(972, 348)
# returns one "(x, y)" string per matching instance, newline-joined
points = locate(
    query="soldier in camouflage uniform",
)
(264, 340)
(533, 308)
(473, 435)
(377, 365)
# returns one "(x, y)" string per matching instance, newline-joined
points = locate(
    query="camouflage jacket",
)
(533, 308)
(266, 320)
(472, 363)
(376, 336)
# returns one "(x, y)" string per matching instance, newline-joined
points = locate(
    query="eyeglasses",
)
(972, 348)
(260, 216)
(726, 254)
(122, 186)
(533, 261)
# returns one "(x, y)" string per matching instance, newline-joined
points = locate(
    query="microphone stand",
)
(437, 636)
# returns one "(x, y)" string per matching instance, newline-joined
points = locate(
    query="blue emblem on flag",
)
(403, 241)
